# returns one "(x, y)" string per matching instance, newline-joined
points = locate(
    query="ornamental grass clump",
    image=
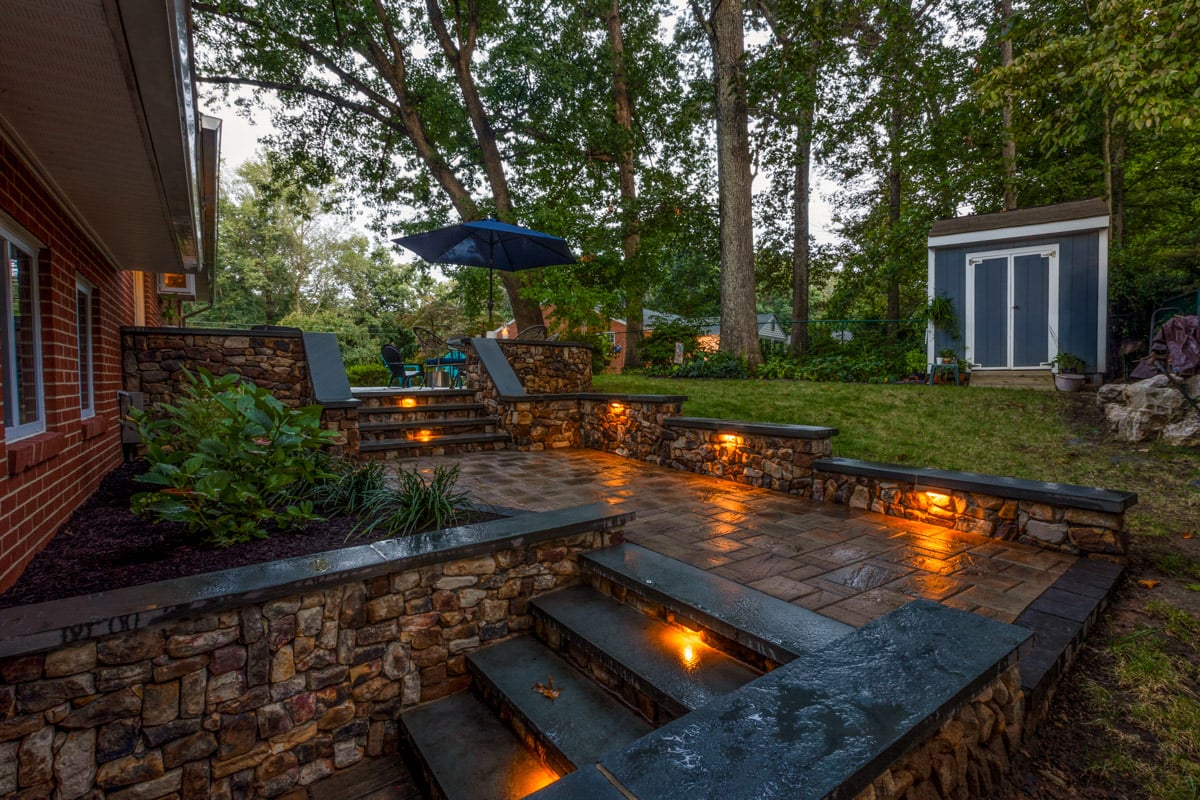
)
(232, 461)
(416, 504)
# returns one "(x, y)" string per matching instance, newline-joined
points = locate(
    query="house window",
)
(85, 335)
(20, 340)
(612, 337)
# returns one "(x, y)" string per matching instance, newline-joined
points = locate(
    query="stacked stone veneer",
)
(1060, 527)
(632, 426)
(550, 367)
(263, 698)
(970, 754)
(154, 360)
(734, 452)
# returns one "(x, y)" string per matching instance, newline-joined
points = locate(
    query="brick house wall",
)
(44, 477)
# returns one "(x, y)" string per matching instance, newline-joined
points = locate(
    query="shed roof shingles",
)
(1037, 215)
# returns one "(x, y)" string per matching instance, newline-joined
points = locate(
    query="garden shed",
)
(1025, 286)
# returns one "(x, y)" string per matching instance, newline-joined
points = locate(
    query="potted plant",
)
(948, 355)
(1068, 376)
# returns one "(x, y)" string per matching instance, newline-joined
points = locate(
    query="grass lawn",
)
(1127, 718)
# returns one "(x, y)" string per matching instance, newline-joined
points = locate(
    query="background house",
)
(1026, 285)
(108, 181)
(770, 329)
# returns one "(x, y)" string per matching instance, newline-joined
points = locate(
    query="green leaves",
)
(416, 505)
(225, 456)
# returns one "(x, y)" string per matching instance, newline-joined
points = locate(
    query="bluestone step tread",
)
(451, 422)
(369, 410)
(409, 444)
(582, 723)
(662, 657)
(827, 722)
(765, 624)
(469, 753)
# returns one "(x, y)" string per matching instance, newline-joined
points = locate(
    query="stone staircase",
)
(645, 641)
(408, 423)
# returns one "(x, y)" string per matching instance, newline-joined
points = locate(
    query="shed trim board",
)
(1009, 255)
(1022, 232)
(1102, 304)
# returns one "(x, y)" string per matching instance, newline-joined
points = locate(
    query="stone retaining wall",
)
(265, 698)
(632, 426)
(773, 461)
(1060, 527)
(970, 754)
(550, 367)
(153, 361)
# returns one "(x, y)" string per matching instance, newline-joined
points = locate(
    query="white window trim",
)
(1049, 251)
(85, 339)
(11, 232)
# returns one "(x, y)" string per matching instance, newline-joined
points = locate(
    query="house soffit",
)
(97, 97)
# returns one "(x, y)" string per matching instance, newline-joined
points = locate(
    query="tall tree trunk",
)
(459, 53)
(894, 207)
(1008, 149)
(801, 255)
(739, 328)
(631, 238)
(1117, 188)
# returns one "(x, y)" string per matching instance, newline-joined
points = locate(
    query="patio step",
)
(572, 730)
(419, 411)
(437, 445)
(759, 629)
(662, 670)
(433, 425)
(395, 398)
(464, 752)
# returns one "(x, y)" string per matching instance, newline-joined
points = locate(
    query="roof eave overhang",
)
(157, 34)
(1020, 232)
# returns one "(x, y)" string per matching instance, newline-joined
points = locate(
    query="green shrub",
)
(713, 365)
(226, 457)
(416, 505)
(777, 367)
(658, 348)
(368, 375)
(914, 361)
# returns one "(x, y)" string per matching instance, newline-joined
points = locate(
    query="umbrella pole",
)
(491, 287)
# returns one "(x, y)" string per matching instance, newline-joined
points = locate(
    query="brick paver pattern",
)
(850, 565)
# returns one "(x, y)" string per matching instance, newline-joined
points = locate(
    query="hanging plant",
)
(941, 313)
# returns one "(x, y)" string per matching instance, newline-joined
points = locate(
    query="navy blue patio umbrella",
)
(492, 244)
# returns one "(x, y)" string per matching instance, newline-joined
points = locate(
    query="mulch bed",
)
(106, 546)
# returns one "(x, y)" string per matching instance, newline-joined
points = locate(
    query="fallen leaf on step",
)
(547, 689)
(1187, 535)
(1147, 584)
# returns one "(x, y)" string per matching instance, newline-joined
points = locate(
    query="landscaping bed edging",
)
(267, 678)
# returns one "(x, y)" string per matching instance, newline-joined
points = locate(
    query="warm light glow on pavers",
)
(850, 565)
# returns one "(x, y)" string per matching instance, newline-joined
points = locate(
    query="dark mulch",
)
(106, 546)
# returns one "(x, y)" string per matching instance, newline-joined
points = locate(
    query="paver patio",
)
(850, 565)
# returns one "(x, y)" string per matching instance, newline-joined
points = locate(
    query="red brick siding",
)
(44, 478)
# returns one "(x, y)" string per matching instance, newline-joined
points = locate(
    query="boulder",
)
(1147, 410)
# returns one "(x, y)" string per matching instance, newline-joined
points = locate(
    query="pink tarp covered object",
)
(1179, 342)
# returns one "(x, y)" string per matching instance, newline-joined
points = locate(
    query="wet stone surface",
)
(825, 721)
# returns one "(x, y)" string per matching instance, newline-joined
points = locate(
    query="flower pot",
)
(1068, 381)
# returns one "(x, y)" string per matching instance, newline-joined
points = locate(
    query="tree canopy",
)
(599, 121)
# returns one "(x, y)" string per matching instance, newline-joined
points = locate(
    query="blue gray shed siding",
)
(1081, 282)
